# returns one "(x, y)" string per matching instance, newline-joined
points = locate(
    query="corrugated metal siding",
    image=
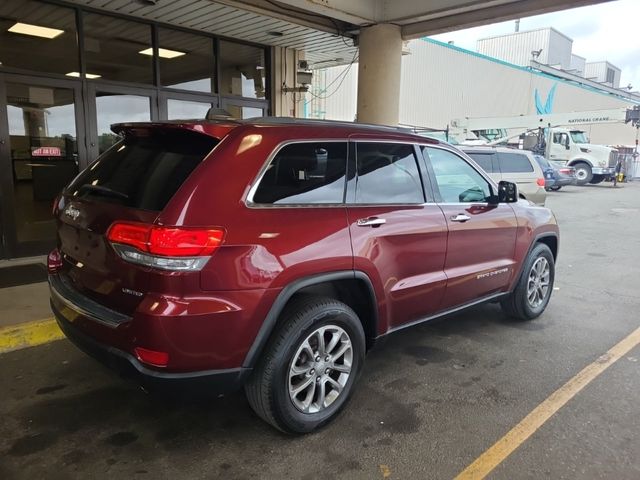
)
(517, 48)
(559, 50)
(441, 83)
(578, 64)
(596, 70)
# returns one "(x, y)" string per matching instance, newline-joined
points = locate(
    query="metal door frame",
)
(9, 245)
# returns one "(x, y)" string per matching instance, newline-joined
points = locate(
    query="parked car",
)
(517, 166)
(272, 254)
(564, 175)
(548, 171)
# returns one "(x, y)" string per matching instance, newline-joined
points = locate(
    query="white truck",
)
(551, 135)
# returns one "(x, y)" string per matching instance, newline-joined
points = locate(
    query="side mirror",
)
(507, 192)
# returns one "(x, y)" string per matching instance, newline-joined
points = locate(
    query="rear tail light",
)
(540, 182)
(566, 171)
(167, 248)
(54, 261)
(54, 207)
(152, 357)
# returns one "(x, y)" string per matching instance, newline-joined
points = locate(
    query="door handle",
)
(461, 217)
(370, 222)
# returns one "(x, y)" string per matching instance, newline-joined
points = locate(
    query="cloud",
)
(607, 31)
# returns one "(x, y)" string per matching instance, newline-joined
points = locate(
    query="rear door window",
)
(387, 173)
(305, 173)
(485, 160)
(514, 163)
(143, 171)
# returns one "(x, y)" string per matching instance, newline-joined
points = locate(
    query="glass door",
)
(109, 105)
(40, 123)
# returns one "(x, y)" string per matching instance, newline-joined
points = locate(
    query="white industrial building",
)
(441, 82)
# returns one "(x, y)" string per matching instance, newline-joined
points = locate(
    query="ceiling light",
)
(88, 75)
(35, 30)
(163, 52)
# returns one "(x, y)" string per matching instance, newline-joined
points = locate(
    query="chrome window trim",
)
(253, 186)
(263, 170)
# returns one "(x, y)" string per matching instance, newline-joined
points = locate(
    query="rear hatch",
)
(131, 182)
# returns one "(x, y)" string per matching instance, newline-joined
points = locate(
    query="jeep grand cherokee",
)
(271, 254)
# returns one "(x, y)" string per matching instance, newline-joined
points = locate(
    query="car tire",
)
(583, 173)
(555, 188)
(294, 357)
(532, 292)
(595, 179)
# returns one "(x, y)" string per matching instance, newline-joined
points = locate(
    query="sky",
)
(608, 31)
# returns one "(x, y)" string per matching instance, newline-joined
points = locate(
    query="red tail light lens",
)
(540, 182)
(54, 261)
(166, 248)
(134, 234)
(178, 242)
(151, 357)
(166, 241)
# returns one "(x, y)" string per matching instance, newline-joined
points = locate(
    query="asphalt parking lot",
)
(432, 398)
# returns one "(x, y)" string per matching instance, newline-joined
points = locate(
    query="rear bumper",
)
(215, 381)
(564, 181)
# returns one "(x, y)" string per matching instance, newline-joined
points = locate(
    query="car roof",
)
(491, 148)
(221, 127)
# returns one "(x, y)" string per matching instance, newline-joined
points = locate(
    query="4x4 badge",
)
(72, 212)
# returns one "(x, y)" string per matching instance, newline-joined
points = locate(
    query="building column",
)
(379, 68)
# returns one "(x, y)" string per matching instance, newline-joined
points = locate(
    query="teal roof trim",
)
(528, 70)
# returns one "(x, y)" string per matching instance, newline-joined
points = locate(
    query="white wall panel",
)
(441, 82)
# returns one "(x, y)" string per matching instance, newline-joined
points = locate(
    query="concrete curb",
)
(29, 334)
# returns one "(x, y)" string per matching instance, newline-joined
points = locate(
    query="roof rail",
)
(316, 122)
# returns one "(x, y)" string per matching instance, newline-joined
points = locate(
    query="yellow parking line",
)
(500, 450)
(29, 334)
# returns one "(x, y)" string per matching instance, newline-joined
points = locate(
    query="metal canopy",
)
(325, 29)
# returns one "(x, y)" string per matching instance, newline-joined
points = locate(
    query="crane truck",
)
(554, 136)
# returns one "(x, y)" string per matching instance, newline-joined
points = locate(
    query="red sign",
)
(46, 152)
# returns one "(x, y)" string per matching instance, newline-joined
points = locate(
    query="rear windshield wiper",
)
(104, 191)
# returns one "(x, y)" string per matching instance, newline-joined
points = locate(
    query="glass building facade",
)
(68, 73)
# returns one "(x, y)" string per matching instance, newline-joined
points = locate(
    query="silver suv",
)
(517, 166)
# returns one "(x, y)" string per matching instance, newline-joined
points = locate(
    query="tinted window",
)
(305, 173)
(190, 64)
(143, 172)
(514, 163)
(542, 161)
(387, 173)
(117, 49)
(457, 181)
(483, 159)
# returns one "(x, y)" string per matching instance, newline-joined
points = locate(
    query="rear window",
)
(305, 173)
(144, 171)
(514, 163)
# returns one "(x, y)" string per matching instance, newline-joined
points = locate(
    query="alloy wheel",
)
(320, 369)
(538, 282)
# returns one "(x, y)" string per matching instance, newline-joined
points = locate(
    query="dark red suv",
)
(271, 254)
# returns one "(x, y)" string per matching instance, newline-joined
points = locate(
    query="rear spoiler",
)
(212, 128)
